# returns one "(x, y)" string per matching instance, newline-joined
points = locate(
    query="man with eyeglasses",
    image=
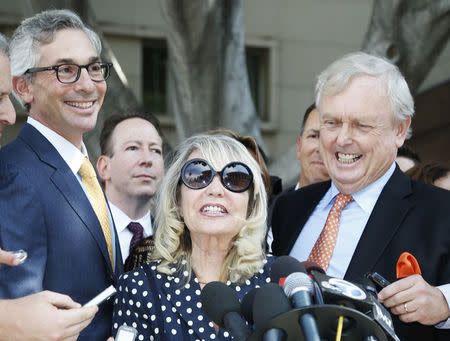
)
(50, 201)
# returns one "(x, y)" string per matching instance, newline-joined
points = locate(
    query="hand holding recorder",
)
(43, 316)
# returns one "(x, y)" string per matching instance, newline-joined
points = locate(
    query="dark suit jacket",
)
(45, 211)
(408, 216)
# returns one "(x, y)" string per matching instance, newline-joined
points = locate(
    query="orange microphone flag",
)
(407, 265)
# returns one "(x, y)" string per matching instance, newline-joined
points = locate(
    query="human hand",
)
(10, 258)
(414, 300)
(44, 316)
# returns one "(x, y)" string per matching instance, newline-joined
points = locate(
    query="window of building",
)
(257, 71)
(154, 81)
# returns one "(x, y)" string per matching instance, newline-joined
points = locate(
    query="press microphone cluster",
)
(301, 303)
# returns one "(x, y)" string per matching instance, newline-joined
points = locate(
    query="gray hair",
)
(40, 29)
(339, 74)
(3, 45)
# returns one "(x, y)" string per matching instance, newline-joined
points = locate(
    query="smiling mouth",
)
(348, 158)
(81, 105)
(212, 209)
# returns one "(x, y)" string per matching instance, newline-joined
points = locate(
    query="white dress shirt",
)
(122, 220)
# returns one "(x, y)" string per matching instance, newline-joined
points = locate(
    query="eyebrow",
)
(140, 142)
(312, 130)
(72, 61)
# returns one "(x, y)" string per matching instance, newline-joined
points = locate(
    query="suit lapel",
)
(67, 184)
(392, 206)
(76, 198)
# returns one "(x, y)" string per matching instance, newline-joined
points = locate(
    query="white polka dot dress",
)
(160, 308)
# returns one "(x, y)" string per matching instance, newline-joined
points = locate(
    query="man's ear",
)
(402, 131)
(103, 167)
(23, 88)
(298, 147)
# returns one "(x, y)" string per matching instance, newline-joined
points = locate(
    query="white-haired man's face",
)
(359, 137)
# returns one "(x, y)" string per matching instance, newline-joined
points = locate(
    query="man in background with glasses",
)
(50, 201)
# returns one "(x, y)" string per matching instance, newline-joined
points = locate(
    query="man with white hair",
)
(371, 212)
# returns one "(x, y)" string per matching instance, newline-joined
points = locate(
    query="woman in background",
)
(433, 173)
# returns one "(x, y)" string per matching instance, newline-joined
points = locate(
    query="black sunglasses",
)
(198, 174)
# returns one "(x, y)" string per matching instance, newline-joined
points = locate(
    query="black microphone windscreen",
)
(283, 266)
(270, 301)
(312, 266)
(218, 299)
(247, 305)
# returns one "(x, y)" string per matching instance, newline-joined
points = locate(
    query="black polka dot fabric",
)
(160, 308)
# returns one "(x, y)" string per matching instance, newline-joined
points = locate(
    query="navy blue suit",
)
(45, 211)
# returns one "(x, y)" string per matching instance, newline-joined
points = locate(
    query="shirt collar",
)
(73, 156)
(367, 197)
(121, 220)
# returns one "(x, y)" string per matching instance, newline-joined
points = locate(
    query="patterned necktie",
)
(324, 246)
(98, 202)
(138, 234)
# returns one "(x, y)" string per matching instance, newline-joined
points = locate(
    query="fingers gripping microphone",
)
(299, 287)
(222, 306)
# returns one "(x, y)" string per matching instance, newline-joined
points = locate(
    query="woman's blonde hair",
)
(172, 239)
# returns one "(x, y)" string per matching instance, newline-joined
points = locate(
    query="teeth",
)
(81, 105)
(213, 209)
(348, 158)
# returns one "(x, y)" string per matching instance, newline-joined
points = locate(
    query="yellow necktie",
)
(98, 202)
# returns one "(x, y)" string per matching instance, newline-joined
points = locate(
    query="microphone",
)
(222, 306)
(362, 298)
(269, 302)
(299, 287)
(247, 305)
(311, 269)
(284, 266)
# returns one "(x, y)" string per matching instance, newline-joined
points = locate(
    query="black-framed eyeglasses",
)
(235, 176)
(70, 73)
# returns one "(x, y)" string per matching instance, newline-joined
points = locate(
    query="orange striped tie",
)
(324, 247)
